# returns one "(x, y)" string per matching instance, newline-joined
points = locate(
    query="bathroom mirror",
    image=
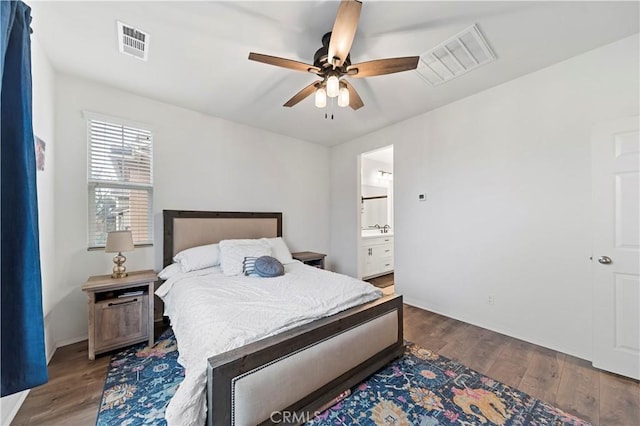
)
(374, 207)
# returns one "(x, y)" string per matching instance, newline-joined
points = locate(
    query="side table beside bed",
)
(120, 310)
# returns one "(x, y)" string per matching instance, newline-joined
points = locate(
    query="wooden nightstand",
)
(120, 311)
(310, 258)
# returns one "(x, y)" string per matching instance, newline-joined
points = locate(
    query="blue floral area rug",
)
(140, 382)
(426, 389)
(421, 388)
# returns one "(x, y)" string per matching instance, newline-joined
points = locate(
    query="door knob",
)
(605, 260)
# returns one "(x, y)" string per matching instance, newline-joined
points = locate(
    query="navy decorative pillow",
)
(263, 266)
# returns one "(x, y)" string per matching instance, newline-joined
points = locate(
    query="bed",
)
(287, 377)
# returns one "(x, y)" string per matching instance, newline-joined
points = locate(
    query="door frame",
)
(359, 257)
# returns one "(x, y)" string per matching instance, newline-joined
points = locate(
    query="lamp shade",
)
(118, 241)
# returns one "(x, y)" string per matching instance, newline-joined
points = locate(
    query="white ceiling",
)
(198, 52)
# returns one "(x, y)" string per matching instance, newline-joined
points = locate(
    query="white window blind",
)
(120, 181)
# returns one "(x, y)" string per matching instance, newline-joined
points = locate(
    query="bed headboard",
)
(184, 229)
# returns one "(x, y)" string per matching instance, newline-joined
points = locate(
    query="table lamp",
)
(117, 242)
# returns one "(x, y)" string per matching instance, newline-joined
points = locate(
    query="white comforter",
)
(211, 313)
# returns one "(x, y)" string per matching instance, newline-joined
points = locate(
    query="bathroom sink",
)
(370, 233)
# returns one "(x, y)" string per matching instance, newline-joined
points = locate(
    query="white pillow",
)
(233, 252)
(198, 257)
(170, 271)
(279, 249)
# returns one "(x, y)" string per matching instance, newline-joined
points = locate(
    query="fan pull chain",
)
(326, 110)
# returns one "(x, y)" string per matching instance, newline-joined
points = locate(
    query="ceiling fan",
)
(332, 62)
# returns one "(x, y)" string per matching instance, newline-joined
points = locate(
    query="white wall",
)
(200, 163)
(43, 89)
(507, 177)
(370, 175)
(43, 77)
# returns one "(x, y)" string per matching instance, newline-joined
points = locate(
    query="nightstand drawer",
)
(121, 321)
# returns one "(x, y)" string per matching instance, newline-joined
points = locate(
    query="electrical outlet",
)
(422, 197)
(490, 300)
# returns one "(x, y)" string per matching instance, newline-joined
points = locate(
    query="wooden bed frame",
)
(286, 378)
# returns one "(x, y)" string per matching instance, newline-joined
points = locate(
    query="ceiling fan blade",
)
(355, 101)
(284, 63)
(382, 66)
(344, 30)
(307, 91)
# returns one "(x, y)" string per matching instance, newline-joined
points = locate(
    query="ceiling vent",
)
(132, 41)
(460, 54)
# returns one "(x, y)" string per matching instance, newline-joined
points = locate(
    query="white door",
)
(616, 246)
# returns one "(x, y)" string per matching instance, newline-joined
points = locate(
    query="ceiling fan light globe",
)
(343, 97)
(321, 98)
(333, 86)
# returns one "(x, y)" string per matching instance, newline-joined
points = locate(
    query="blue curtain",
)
(23, 362)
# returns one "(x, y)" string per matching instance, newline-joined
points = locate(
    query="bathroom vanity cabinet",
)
(377, 255)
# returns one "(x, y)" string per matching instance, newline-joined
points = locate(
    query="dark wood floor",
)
(75, 384)
(570, 383)
(382, 281)
(72, 395)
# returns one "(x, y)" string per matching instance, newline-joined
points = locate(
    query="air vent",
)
(133, 41)
(460, 54)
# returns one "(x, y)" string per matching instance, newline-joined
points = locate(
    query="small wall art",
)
(40, 147)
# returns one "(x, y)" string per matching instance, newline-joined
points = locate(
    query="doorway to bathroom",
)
(376, 217)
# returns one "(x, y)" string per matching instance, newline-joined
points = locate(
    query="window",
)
(120, 181)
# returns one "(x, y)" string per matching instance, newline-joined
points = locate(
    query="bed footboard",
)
(286, 378)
